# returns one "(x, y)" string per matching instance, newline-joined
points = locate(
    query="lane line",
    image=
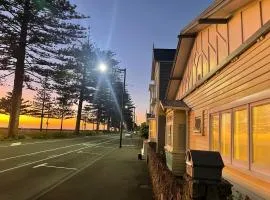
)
(51, 141)
(38, 152)
(99, 154)
(69, 176)
(41, 165)
(105, 147)
(34, 162)
(22, 164)
(51, 166)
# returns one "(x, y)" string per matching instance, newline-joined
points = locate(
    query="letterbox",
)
(205, 165)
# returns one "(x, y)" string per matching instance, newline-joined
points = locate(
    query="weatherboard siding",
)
(215, 43)
(248, 75)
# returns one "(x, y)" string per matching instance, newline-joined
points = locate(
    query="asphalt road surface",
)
(29, 169)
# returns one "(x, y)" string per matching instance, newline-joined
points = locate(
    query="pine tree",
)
(83, 64)
(5, 105)
(66, 95)
(42, 101)
(30, 34)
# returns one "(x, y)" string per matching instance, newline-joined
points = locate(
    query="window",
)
(225, 134)
(240, 137)
(215, 132)
(198, 124)
(261, 135)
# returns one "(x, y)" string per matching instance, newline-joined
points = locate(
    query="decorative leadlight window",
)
(198, 124)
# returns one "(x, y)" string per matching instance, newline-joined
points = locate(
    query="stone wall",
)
(168, 187)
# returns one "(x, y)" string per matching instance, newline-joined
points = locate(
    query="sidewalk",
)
(117, 176)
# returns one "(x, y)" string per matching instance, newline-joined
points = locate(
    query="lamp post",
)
(103, 68)
(122, 105)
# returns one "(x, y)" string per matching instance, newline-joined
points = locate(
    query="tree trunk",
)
(62, 120)
(42, 112)
(79, 113)
(97, 128)
(19, 75)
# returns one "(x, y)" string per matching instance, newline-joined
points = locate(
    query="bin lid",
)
(198, 158)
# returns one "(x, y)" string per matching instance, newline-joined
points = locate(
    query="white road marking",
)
(99, 154)
(38, 152)
(51, 166)
(70, 176)
(41, 165)
(34, 162)
(23, 164)
(15, 144)
(51, 141)
(131, 145)
(104, 147)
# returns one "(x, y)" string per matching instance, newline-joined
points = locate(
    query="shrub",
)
(144, 130)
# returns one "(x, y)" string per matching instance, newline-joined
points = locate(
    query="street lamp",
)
(103, 68)
(122, 104)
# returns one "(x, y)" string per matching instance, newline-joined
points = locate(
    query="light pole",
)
(103, 68)
(122, 105)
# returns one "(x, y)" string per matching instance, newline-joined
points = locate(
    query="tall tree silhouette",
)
(42, 101)
(66, 95)
(83, 64)
(5, 105)
(30, 34)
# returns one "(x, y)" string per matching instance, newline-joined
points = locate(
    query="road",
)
(29, 170)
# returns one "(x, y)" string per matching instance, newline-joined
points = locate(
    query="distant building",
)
(161, 68)
(218, 96)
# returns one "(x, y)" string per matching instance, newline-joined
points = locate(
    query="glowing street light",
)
(103, 67)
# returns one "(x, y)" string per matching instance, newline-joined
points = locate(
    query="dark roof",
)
(164, 75)
(149, 116)
(164, 54)
(174, 104)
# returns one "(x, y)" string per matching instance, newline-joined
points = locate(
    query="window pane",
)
(215, 132)
(240, 135)
(225, 132)
(261, 134)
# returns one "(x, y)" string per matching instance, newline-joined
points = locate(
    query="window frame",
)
(254, 167)
(227, 159)
(239, 163)
(210, 129)
(245, 166)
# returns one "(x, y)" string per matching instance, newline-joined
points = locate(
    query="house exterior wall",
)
(152, 130)
(175, 146)
(240, 85)
(217, 41)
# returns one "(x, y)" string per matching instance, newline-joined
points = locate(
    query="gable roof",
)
(175, 104)
(163, 54)
(219, 9)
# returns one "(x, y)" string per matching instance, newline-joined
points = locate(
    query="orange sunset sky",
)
(33, 122)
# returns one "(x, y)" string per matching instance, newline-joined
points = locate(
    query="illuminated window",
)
(240, 137)
(225, 133)
(215, 132)
(261, 135)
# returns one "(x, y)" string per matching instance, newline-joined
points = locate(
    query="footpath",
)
(117, 176)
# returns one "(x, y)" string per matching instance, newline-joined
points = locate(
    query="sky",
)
(129, 28)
